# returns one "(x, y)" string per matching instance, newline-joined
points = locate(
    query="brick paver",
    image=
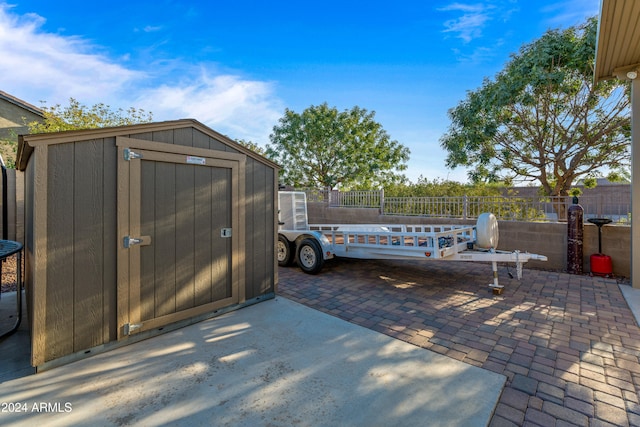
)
(568, 345)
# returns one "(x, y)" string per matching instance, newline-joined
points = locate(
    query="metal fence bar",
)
(353, 199)
(513, 208)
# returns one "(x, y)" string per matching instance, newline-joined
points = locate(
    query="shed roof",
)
(26, 143)
(618, 46)
(20, 103)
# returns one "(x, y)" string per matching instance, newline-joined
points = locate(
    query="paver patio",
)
(569, 345)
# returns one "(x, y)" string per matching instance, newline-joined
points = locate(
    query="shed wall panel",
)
(184, 136)
(148, 253)
(40, 214)
(185, 236)
(109, 239)
(200, 140)
(87, 257)
(145, 136)
(214, 144)
(221, 208)
(202, 244)
(29, 262)
(59, 306)
(165, 136)
(165, 236)
(251, 230)
(259, 196)
(269, 194)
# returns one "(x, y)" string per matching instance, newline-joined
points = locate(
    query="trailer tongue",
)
(311, 244)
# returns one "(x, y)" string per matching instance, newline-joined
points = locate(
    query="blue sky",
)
(236, 66)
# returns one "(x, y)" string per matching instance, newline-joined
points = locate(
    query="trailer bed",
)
(373, 241)
(310, 245)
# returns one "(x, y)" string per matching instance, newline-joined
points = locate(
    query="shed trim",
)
(123, 141)
(135, 183)
(129, 187)
(38, 330)
(123, 269)
(26, 143)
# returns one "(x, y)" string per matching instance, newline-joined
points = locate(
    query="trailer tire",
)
(487, 231)
(309, 256)
(285, 251)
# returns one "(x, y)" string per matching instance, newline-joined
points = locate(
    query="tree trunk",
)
(560, 206)
(560, 202)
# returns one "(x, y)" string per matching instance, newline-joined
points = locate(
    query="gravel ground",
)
(8, 274)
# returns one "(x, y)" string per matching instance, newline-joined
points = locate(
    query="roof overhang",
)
(26, 143)
(618, 42)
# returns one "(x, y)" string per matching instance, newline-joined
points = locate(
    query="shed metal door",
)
(181, 239)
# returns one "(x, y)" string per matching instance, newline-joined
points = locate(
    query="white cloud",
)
(242, 109)
(41, 66)
(463, 7)
(47, 66)
(468, 26)
(152, 28)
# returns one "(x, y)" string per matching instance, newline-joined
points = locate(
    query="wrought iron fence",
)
(352, 199)
(507, 208)
(514, 208)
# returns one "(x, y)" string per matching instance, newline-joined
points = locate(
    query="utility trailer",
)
(310, 245)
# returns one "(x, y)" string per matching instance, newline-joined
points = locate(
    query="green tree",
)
(252, 146)
(423, 187)
(330, 148)
(78, 116)
(543, 118)
(8, 149)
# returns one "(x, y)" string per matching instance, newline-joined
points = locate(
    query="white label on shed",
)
(195, 160)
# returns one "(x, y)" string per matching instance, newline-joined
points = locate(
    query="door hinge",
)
(131, 327)
(129, 241)
(131, 155)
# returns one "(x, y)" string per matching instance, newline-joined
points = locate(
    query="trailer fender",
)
(295, 237)
(321, 240)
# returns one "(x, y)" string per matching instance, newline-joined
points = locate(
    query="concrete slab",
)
(277, 363)
(15, 348)
(632, 296)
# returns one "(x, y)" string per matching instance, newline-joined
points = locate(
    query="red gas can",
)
(601, 265)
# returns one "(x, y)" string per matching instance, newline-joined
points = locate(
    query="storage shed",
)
(137, 229)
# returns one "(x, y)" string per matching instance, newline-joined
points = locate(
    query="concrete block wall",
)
(549, 239)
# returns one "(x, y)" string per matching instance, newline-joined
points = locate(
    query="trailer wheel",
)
(487, 231)
(310, 258)
(286, 251)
